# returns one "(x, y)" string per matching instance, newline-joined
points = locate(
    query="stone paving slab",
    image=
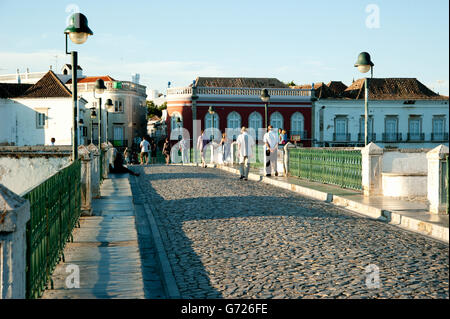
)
(111, 250)
(229, 238)
(410, 215)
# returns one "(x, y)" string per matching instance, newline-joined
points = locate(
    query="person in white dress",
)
(270, 151)
(245, 145)
(184, 147)
(201, 146)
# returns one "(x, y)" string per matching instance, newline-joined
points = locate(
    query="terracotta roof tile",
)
(48, 86)
(90, 79)
(392, 89)
(239, 82)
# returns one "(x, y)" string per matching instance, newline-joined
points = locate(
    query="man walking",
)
(270, 151)
(245, 150)
(145, 147)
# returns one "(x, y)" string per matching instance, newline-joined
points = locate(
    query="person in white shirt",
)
(201, 146)
(270, 151)
(145, 148)
(245, 145)
(184, 147)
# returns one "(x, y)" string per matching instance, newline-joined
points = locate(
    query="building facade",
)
(237, 103)
(126, 121)
(403, 113)
(33, 114)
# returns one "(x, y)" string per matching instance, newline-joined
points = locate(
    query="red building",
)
(237, 103)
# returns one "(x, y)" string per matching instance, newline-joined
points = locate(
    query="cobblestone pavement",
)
(227, 238)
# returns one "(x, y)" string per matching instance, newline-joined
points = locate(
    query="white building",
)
(403, 113)
(32, 77)
(34, 114)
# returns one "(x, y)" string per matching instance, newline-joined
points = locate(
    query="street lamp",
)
(212, 111)
(109, 108)
(364, 64)
(178, 127)
(99, 88)
(78, 32)
(93, 116)
(265, 97)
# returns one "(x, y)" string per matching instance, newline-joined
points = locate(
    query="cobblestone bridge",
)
(228, 238)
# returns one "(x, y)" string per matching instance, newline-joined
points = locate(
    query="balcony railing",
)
(112, 86)
(341, 137)
(415, 137)
(119, 143)
(293, 135)
(239, 91)
(439, 137)
(371, 137)
(392, 137)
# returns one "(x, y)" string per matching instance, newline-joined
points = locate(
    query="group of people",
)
(245, 144)
(282, 137)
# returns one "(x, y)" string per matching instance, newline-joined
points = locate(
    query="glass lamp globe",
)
(78, 37)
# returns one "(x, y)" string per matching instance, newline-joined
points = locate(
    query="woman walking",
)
(166, 150)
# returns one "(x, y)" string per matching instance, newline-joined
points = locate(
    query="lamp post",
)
(364, 64)
(99, 88)
(109, 105)
(78, 32)
(93, 116)
(265, 97)
(194, 99)
(212, 111)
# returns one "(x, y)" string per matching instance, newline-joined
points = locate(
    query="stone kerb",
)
(95, 170)
(372, 167)
(435, 158)
(86, 184)
(14, 215)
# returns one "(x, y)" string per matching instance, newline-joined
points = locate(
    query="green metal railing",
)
(55, 207)
(330, 166)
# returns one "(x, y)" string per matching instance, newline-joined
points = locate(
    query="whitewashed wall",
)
(23, 173)
(18, 121)
(378, 110)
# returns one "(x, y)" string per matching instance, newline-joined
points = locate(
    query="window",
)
(370, 134)
(118, 106)
(415, 128)
(297, 124)
(341, 128)
(438, 133)
(255, 123)
(41, 118)
(118, 135)
(208, 118)
(276, 120)
(391, 128)
(234, 120)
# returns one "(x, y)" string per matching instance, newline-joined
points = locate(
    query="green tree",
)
(292, 83)
(153, 110)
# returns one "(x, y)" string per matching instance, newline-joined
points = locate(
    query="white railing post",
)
(95, 170)
(434, 189)
(14, 215)
(86, 183)
(372, 167)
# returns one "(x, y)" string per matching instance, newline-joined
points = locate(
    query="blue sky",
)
(304, 41)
